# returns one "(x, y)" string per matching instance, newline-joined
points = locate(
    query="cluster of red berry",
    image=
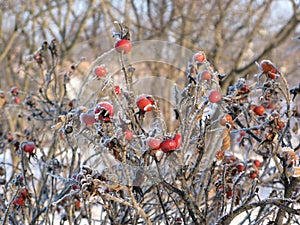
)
(21, 197)
(251, 113)
(256, 113)
(224, 178)
(168, 145)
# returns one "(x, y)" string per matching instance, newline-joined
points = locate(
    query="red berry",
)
(154, 144)
(214, 96)
(117, 89)
(76, 176)
(21, 179)
(243, 133)
(9, 137)
(100, 71)
(272, 74)
(168, 145)
(16, 100)
(19, 201)
(229, 194)
(71, 103)
(257, 163)
(28, 147)
(226, 119)
(199, 57)
(266, 66)
(128, 135)
(269, 104)
(280, 125)
(220, 188)
(145, 103)
(75, 187)
(219, 154)
(252, 107)
(245, 88)
(14, 91)
(240, 167)
(109, 190)
(205, 75)
(87, 119)
(77, 205)
(233, 159)
(177, 138)
(123, 46)
(253, 174)
(259, 110)
(38, 58)
(179, 221)
(257, 131)
(104, 111)
(24, 192)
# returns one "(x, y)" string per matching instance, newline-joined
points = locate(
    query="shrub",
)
(224, 161)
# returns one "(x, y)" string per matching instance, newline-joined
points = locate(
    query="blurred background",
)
(233, 33)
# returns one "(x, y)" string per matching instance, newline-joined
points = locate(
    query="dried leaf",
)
(62, 118)
(226, 139)
(295, 128)
(57, 126)
(296, 171)
(2, 100)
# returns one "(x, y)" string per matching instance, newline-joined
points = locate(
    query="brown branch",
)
(279, 38)
(279, 202)
(251, 34)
